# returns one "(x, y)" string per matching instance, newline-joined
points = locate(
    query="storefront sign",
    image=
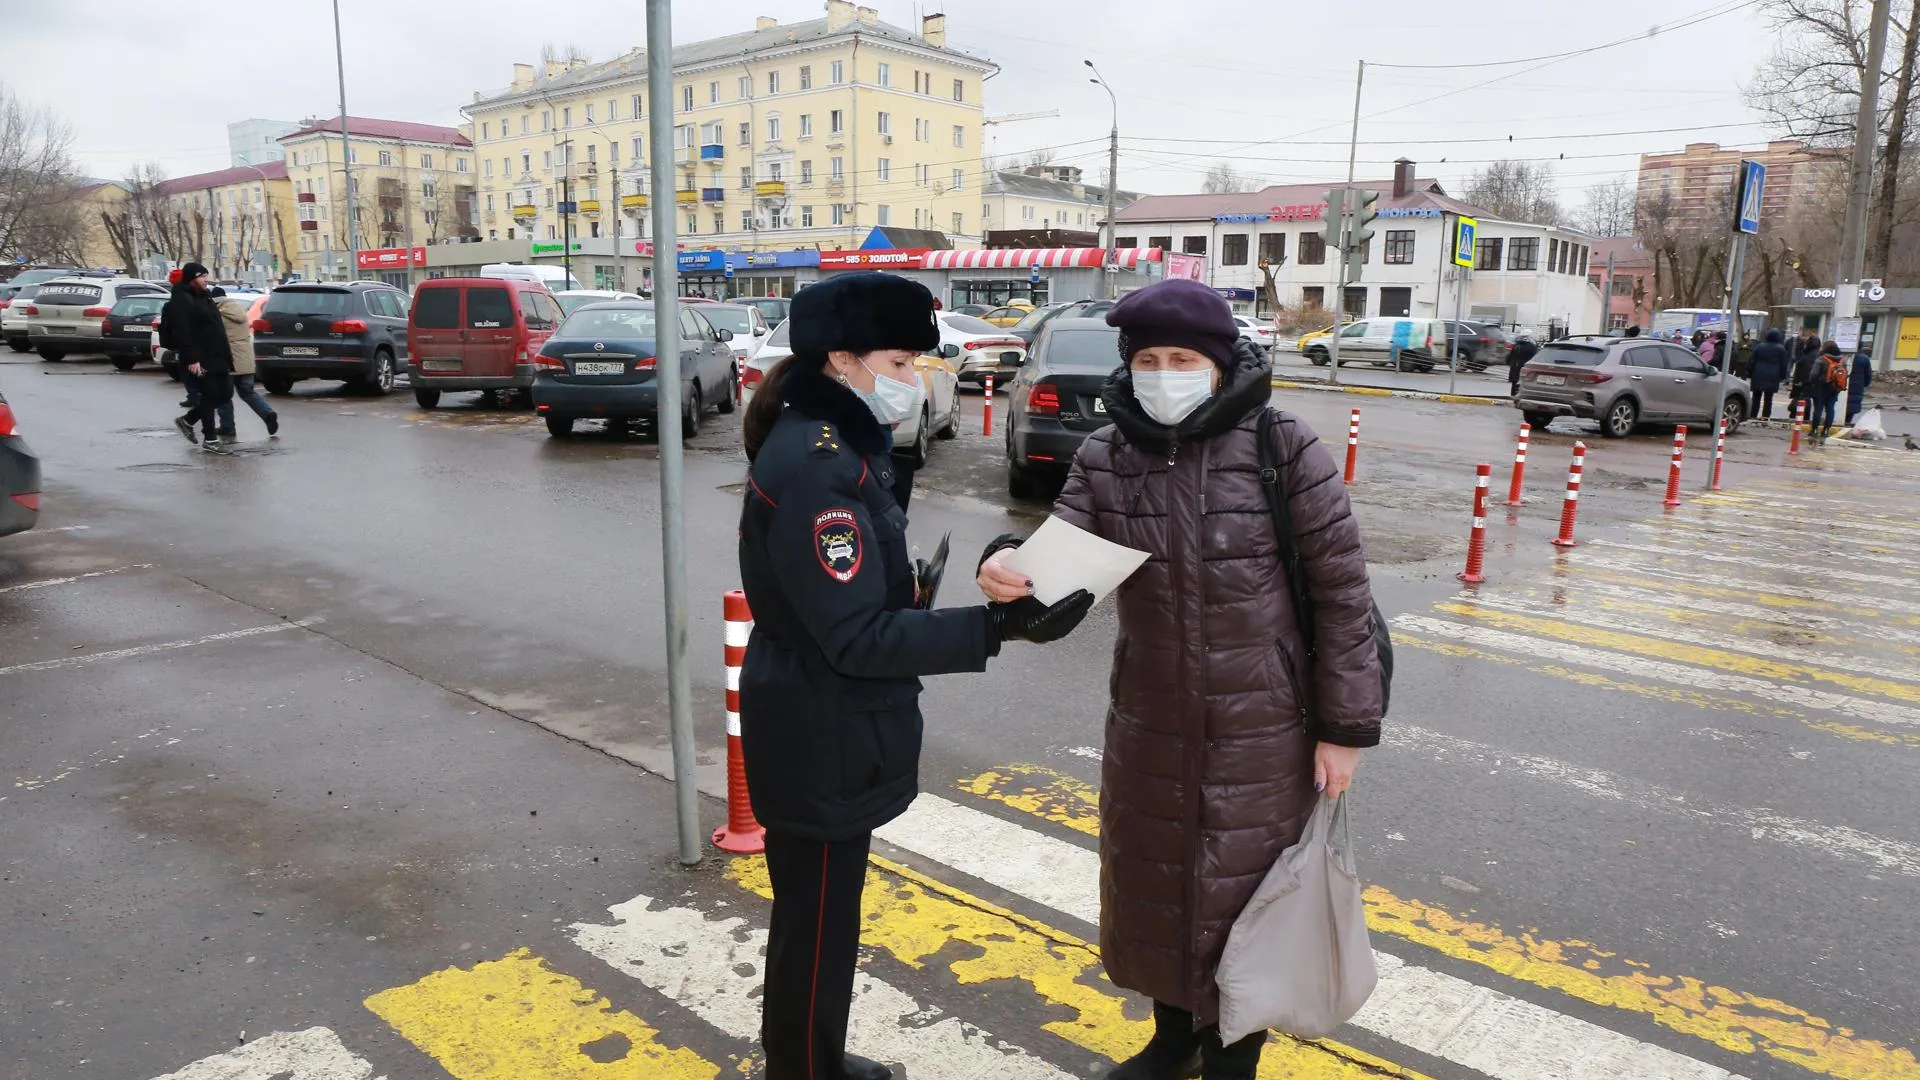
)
(1908, 345)
(703, 260)
(553, 249)
(1412, 212)
(1236, 294)
(896, 259)
(1190, 267)
(1303, 212)
(392, 258)
(759, 260)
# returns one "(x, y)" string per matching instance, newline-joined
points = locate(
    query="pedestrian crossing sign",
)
(1465, 236)
(1753, 182)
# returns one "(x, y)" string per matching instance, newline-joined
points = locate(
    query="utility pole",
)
(346, 149)
(1866, 137)
(619, 276)
(673, 508)
(1606, 298)
(567, 208)
(1109, 258)
(1340, 291)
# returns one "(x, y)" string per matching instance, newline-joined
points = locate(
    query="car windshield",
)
(738, 320)
(1082, 350)
(967, 324)
(1032, 319)
(326, 303)
(779, 335)
(1564, 353)
(609, 322)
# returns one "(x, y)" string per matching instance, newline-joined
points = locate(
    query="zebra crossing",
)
(982, 900)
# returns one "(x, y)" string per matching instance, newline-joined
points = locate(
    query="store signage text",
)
(1412, 211)
(553, 249)
(386, 258)
(905, 258)
(1305, 212)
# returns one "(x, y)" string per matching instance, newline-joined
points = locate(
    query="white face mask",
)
(890, 400)
(1171, 396)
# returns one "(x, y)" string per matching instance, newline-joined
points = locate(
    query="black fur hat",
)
(861, 312)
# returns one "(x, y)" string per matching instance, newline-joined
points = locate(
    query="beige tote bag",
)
(1297, 959)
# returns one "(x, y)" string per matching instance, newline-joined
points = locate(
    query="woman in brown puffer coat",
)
(1221, 728)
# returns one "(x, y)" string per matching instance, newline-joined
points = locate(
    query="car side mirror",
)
(723, 335)
(950, 352)
(759, 331)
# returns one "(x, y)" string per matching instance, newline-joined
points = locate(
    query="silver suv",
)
(1623, 383)
(67, 314)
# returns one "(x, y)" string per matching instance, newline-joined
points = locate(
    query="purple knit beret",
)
(1176, 312)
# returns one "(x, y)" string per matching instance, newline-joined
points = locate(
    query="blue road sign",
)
(1465, 237)
(1752, 185)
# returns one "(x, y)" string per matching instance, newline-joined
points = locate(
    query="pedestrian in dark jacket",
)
(1222, 728)
(1806, 351)
(1857, 383)
(1523, 350)
(1822, 391)
(829, 692)
(1770, 367)
(1743, 356)
(190, 325)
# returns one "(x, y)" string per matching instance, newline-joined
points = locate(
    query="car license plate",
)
(134, 327)
(300, 350)
(59, 329)
(1552, 380)
(1010, 358)
(1099, 407)
(599, 367)
(440, 365)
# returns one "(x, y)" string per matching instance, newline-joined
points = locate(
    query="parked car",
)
(772, 349)
(1007, 314)
(1087, 309)
(478, 334)
(1624, 382)
(572, 300)
(354, 331)
(601, 365)
(66, 314)
(1054, 403)
(772, 309)
(975, 310)
(980, 348)
(939, 415)
(1481, 345)
(126, 333)
(1029, 326)
(1403, 344)
(1258, 331)
(555, 278)
(19, 477)
(13, 317)
(746, 324)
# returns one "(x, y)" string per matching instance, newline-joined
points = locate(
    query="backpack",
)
(1296, 569)
(1835, 373)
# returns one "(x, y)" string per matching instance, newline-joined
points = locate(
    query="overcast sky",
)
(150, 82)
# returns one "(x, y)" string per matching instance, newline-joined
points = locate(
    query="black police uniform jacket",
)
(829, 693)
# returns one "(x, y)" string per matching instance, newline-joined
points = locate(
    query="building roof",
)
(1025, 185)
(728, 48)
(239, 174)
(367, 128)
(893, 237)
(1207, 206)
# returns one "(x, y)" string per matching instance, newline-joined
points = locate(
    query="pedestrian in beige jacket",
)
(239, 327)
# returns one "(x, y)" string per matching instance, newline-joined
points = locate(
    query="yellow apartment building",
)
(413, 185)
(787, 136)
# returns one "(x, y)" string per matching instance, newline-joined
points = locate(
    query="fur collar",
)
(807, 389)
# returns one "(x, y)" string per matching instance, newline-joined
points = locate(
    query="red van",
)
(477, 334)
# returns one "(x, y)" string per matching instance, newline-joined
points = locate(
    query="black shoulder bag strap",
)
(1283, 531)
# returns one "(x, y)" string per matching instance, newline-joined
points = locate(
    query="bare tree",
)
(1222, 178)
(1608, 210)
(1042, 156)
(37, 183)
(568, 54)
(1515, 191)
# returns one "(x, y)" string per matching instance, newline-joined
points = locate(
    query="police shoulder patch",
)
(836, 541)
(826, 440)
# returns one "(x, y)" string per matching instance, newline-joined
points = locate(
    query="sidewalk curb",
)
(1378, 391)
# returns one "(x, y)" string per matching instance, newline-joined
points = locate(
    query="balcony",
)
(770, 189)
(687, 196)
(392, 202)
(303, 196)
(713, 195)
(633, 202)
(525, 211)
(713, 152)
(589, 206)
(309, 226)
(836, 187)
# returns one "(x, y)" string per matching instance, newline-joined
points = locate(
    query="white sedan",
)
(1259, 331)
(980, 348)
(913, 438)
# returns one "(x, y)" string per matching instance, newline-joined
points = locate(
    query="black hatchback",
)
(1053, 404)
(355, 331)
(126, 334)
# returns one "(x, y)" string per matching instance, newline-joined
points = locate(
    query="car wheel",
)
(278, 387)
(19, 345)
(690, 413)
(1538, 421)
(124, 363)
(423, 397)
(1735, 413)
(1318, 355)
(951, 428)
(50, 353)
(1021, 482)
(379, 382)
(559, 427)
(726, 403)
(922, 439)
(1622, 416)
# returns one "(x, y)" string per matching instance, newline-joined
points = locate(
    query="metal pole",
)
(1109, 258)
(568, 209)
(1606, 299)
(1725, 355)
(346, 148)
(1459, 302)
(613, 177)
(673, 510)
(1340, 291)
(1866, 131)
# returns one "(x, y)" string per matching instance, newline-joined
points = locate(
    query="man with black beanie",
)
(190, 325)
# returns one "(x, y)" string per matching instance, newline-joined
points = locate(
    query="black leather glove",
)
(1027, 619)
(997, 545)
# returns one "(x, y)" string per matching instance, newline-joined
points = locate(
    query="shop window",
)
(1524, 253)
(1399, 252)
(1164, 243)
(1273, 248)
(1193, 245)
(1126, 241)
(1314, 296)
(1357, 301)
(1396, 301)
(1233, 249)
(1487, 253)
(1313, 249)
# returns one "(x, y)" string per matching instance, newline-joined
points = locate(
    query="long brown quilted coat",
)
(1208, 771)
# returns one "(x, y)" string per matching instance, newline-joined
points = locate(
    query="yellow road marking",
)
(1743, 1023)
(920, 921)
(516, 1019)
(1765, 599)
(1760, 632)
(1697, 655)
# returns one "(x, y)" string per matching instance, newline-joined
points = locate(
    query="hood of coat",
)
(806, 388)
(1246, 386)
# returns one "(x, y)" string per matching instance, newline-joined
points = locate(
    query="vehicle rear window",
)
(69, 294)
(488, 309)
(1032, 319)
(1578, 355)
(570, 303)
(1082, 350)
(436, 309)
(967, 324)
(625, 322)
(779, 335)
(139, 305)
(737, 320)
(326, 303)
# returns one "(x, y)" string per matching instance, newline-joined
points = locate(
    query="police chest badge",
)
(836, 540)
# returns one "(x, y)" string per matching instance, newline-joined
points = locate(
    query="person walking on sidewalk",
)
(1769, 369)
(1857, 383)
(1824, 386)
(1224, 728)
(1806, 351)
(192, 327)
(830, 721)
(1524, 349)
(233, 316)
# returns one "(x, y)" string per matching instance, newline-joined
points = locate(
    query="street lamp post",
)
(1110, 259)
(346, 150)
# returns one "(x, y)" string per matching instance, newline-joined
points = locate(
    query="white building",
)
(1524, 274)
(1046, 197)
(256, 142)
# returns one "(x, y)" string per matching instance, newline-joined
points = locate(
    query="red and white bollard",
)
(986, 418)
(1673, 470)
(1353, 446)
(1519, 466)
(1719, 451)
(1799, 417)
(1477, 540)
(742, 835)
(739, 387)
(1571, 508)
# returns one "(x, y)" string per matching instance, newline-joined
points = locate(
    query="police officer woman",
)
(829, 693)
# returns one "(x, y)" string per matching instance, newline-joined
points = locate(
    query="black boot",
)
(1236, 1062)
(855, 1067)
(1172, 1054)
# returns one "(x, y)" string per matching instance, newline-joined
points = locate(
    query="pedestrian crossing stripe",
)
(1742, 1023)
(1740, 618)
(314, 1053)
(1670, 573)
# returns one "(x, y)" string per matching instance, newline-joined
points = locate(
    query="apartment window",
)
(613, 153)
(916, 81)
(882, 169)
(886, 75)
(1553, 255)
(835, 169)
(1487, 252)
(746, 133)
(486, 132)
(806, 171)
(1126, 241)
(920, 174)
(460, 166)
(1273, 248)
(713, 93)
(806, 125)
(886, 123)
(638, 152)
(773, 82)
(566, 118)
(549, 196)
(386, 157)
(709, 132)
(525, 120)
(1399, 246)
(593, 151)
(1233, 249)
(806, 76)
(773, 129)
(1584, 252)
(486, 168)
(959, 90)
(1026, 213)
(958, 223)
(1194, 245)
(719, 221)
(1312, 249)
(546, 120)
(922, 131)
(959, 135)
(959, 179)
(686, 98)
(883, 214)
(746, 87)
(636, 106)
(1524, 253)
(839, 216)
(836, 74)
(613, 109)
(746, 177)
(546, 160)
(489, 204)
(746, 221)
(836, 120)
(526, 162)
(693, 224)
(806, 212)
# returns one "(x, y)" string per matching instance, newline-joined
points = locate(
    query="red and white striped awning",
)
(994, 258)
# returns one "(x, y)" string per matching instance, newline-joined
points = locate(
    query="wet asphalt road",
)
(440, 729)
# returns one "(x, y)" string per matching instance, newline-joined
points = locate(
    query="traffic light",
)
(1364, 211)
(1336, 209)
